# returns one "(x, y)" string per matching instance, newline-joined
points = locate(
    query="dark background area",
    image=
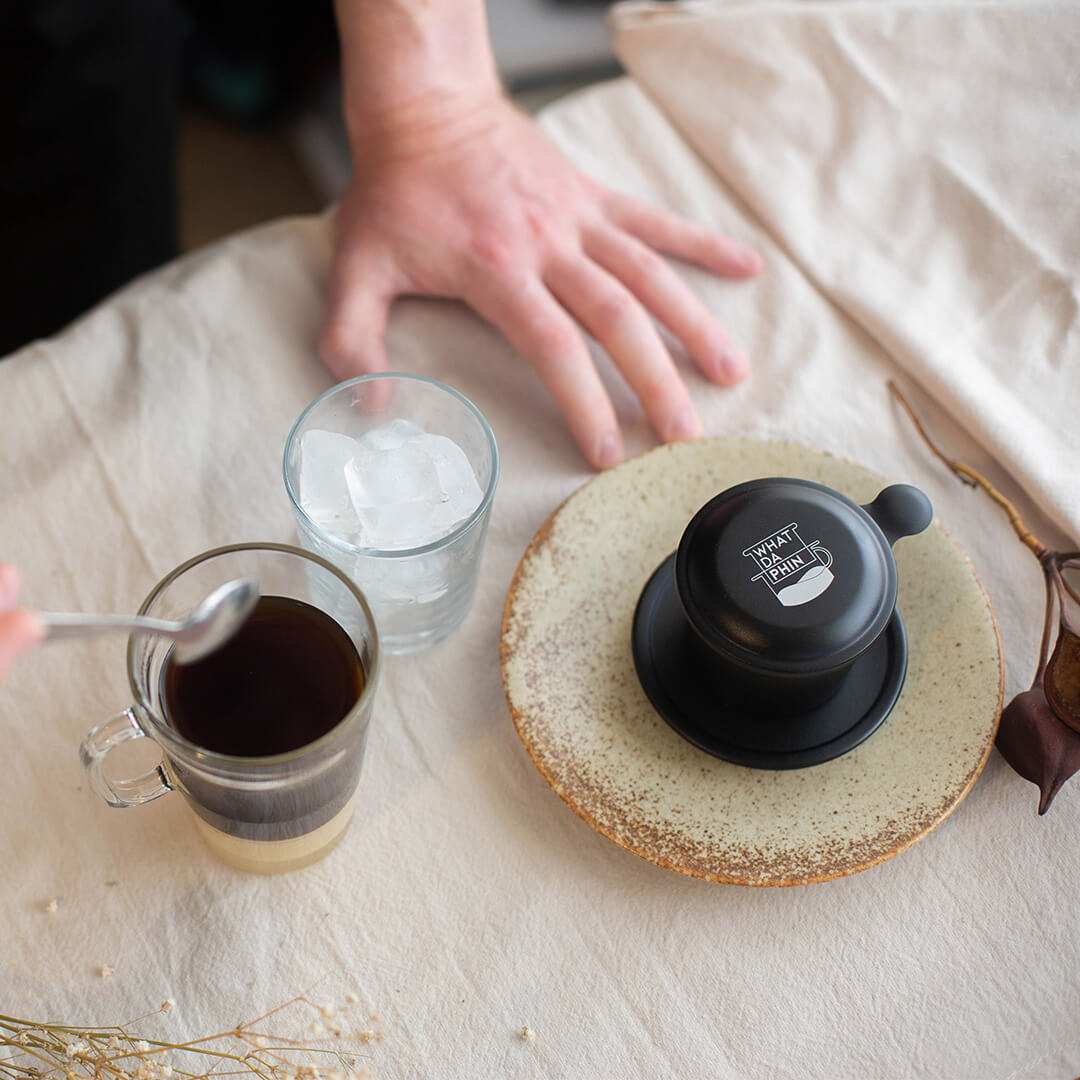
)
(134, 130)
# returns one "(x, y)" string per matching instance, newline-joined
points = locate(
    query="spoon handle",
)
(62, 625)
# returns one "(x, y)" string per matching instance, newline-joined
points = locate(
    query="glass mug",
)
(260, 814)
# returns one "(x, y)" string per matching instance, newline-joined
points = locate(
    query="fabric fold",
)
(917, 161)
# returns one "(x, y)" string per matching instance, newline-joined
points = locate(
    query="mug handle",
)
(818, 549)
(95, 747)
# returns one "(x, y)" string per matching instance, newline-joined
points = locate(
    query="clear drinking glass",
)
(419, 595)
(261, 814)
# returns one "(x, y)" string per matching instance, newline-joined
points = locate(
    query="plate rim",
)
(540, 537)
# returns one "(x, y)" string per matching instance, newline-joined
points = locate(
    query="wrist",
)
(410, 67)
(425, 123)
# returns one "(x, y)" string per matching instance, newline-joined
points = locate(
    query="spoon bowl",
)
(215, 620)
(206, 629)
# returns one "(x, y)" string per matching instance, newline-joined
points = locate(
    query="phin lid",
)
(787, 575)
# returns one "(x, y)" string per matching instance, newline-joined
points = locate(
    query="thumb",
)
(19, 631)
(358, 306)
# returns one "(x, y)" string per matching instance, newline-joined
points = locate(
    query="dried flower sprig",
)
(36, 1050)
(1039, 734)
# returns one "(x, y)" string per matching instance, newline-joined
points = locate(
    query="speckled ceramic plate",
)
(590, 730)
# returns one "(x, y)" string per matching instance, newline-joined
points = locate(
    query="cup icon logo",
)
(794, 571)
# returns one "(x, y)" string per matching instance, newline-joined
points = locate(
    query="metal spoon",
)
(207, 628)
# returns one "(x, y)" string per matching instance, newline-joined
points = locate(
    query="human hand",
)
(480, 206)
(19, 630)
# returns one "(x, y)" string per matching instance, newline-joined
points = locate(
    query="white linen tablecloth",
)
(909, 172)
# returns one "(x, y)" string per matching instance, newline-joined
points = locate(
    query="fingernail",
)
(685, 426)
(751, 262)
(609, 452)
(733, 365)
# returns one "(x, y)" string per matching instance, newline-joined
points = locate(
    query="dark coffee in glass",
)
(287, 678)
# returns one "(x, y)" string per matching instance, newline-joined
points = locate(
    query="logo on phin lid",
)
(794, 571)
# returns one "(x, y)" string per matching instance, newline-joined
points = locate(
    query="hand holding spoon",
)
(207, 628)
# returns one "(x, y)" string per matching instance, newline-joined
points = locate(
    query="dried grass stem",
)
(972, 477)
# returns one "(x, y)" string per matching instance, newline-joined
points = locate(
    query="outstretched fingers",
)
(609, 311)
(542, 332)
(652, 280)
(686, 240)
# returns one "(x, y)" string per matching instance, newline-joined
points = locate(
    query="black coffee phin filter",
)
(771, 637)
